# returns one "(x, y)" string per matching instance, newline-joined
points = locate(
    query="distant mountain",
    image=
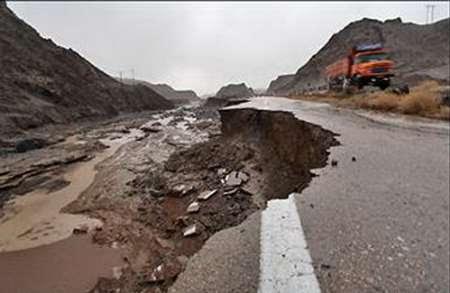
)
(165, 90)
(279, 83)
(240, 90)
(420, 52)
(43, 83)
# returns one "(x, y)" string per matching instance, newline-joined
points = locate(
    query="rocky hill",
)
(279, 83)
(42, 83)
(239, 90)
(168, 92)
(420, 52)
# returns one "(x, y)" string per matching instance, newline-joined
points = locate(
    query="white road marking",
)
(285, 264)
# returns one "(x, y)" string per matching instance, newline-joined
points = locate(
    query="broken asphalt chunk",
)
(82, 229)
(152, 129)
(193, 207)
(190, 230)
(230, 192)
(205, 195)
(236, 178)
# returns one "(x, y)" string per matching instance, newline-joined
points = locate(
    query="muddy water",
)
(35, 219)
(71, 266)
(38, 249)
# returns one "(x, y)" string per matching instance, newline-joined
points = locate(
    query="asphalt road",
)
(375, 223)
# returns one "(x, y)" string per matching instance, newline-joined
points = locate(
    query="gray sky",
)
(203, 46)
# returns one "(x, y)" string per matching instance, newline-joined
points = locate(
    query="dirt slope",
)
(168, 92)
(420, 52)
(43, 83)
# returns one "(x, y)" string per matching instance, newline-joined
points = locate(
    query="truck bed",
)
(338, 68)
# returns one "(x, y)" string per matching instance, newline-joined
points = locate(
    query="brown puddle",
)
(38, 252)
(70, 265)
(35, 219)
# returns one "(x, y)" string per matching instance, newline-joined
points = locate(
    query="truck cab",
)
(364, 65)
(371, 65)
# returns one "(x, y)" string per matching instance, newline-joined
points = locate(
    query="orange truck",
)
(365, 65)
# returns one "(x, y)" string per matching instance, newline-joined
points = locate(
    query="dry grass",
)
(423, 100)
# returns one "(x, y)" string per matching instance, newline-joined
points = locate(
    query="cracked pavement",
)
(375, 223)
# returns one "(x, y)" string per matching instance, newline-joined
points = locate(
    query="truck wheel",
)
(384, 85)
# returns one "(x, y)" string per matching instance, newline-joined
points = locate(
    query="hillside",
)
(165, 90)
(420, 52)
(239, 90)
(42, 83)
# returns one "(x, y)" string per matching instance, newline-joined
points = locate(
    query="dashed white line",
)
(285, 264)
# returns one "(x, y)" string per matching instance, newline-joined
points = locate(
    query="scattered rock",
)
(155, 192)
(205, 195)
(193, 207)
(152, 129)
(182, 221)
(236, 178)
(221, 172)
(325, 266)
(204, 124)
(117, 272)
(175, 141)
(182, 189)
(401, 89)
(334, 163)
(353, 159)
(139, 138)
(244, 176)
(445, 100)
(122, 129)
(190, 231)
(82, 229)
(29, 144)
(165, 271)
(232, 191)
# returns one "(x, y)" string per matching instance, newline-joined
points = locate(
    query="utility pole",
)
(120, 76)
(132, 76)
(430, 13)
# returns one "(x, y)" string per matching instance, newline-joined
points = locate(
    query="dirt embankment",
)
(288, 148)
(168, 209)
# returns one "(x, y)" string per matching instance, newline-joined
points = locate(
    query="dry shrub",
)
(383, 101)
(444, 113)
(422, 100)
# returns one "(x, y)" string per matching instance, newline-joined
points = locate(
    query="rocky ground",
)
(172, 180)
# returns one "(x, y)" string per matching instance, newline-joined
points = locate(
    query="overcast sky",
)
(202, 45)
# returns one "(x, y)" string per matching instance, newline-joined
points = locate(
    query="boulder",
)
(29, 144)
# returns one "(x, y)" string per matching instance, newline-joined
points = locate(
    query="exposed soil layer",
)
(274, 149)
(289, 148)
